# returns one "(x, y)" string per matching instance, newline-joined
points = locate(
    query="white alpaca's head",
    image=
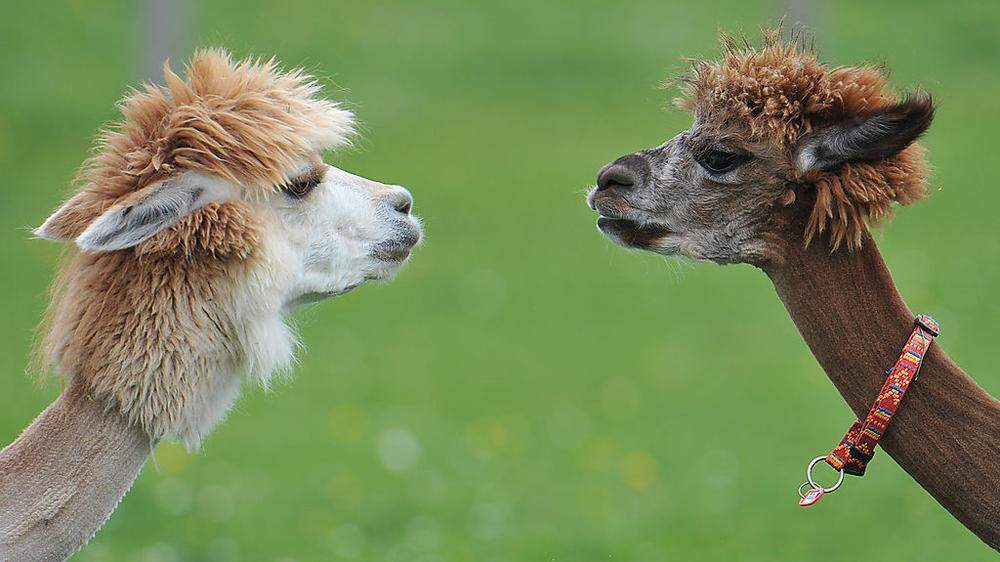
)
(339, 230)
(326, 230)
(205, 217)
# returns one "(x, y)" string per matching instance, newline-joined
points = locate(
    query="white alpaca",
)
(203, 220)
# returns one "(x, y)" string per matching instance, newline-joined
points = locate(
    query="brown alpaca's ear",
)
(871, 138)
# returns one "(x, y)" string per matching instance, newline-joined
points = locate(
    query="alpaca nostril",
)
(402, 201)
(616, 176)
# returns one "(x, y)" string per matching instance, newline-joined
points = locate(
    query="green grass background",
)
(523, 391)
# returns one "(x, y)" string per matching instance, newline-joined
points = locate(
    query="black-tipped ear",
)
(874, 137)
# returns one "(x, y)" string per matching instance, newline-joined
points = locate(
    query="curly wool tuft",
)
(780, 93)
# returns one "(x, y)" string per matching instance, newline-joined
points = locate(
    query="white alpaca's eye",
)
(303, 185)
(299, 189)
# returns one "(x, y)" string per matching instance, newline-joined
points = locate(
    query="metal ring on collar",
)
(809, 476)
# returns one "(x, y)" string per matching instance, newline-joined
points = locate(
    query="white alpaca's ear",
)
(872, 138)
(159, 207)
(60, 225)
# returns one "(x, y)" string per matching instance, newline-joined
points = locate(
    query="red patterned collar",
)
(856, 449)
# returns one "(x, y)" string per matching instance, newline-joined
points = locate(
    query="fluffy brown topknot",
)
(156, 329)
(781, 93)
(246, 121)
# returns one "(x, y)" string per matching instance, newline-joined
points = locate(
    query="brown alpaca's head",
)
(781, 146)
(204, 218)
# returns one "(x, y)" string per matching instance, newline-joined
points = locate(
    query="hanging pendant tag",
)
(814, 492)
(811, 496)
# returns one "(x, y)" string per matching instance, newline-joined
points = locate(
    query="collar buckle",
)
(929, 324)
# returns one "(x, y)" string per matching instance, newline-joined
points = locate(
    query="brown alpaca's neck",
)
(61, 479)
(946, 433)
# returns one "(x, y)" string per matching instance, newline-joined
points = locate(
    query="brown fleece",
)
(946, 433)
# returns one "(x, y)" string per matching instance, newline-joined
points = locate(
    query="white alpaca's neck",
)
(61, 479)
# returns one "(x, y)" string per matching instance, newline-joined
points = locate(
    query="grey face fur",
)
(703, 194)
(713, 193)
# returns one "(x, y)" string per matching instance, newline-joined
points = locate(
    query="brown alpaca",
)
(787, 164)
(204, 218)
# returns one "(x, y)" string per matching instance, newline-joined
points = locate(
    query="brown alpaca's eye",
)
(720, 161)
(300, 188)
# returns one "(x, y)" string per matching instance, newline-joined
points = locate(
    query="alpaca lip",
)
(408, 235)
(394, 250)
(614, 225)
(318, 296)
(630, 233)
(391, 253)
